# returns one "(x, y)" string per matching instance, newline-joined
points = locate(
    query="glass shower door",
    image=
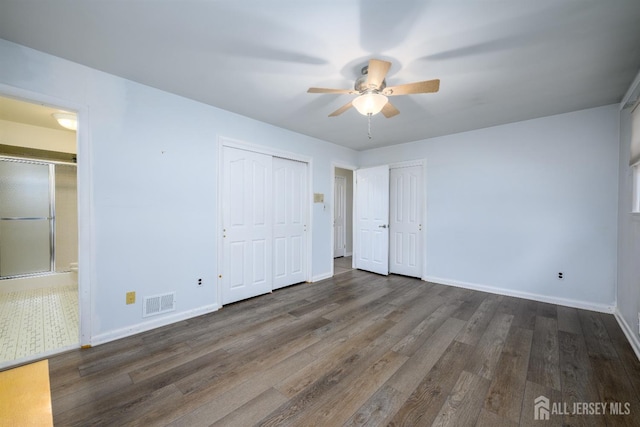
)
(26, 219)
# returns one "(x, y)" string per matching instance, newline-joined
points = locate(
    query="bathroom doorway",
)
(39, 309)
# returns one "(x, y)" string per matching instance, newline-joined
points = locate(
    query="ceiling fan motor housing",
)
(361, 83)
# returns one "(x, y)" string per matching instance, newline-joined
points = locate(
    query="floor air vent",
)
(158, 304)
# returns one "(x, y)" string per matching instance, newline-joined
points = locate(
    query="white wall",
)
(628, 242)
(509, 207)
(149, 215)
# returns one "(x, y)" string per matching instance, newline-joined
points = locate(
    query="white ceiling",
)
(499, 61)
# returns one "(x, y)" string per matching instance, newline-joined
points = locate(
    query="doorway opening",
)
(342, 219)
(39, 304)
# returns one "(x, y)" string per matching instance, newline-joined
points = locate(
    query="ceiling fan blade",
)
(376, 72)
(389, 110)
(428, 86)
(325, 90)
(341, 110)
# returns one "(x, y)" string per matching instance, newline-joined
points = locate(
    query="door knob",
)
(383, 226)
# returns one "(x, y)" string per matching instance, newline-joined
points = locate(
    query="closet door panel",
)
(405, 243)
(289, 229)
(247, 225)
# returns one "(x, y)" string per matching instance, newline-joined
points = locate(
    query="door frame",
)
(224, 141)
(352, 168)
(86, 251)
(423, 235)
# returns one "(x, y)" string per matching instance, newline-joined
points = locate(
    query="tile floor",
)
(37, 321)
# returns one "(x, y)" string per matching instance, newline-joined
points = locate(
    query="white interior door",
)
(372, 216)
(290, 203)
(247, 224)
(339, 217)
(405, 228)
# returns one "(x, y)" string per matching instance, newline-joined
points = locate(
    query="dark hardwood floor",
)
(341, 265)
(358, 349)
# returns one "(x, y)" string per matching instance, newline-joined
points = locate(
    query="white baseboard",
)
(629, 332)
(348, 254)
(584, 305)
(151, 324)
(322, 276)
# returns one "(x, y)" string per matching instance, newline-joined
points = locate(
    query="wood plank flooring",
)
(341, 265)
(358, 349)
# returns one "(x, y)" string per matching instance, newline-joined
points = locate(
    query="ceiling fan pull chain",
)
(369, 124)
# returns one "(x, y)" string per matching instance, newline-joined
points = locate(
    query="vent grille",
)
(158, 304)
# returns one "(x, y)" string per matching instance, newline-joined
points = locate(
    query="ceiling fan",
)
(372, 90)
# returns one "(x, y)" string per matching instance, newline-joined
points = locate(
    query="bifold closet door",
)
(289, 222)
(247, 225)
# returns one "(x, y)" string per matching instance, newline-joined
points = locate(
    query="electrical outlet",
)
(131, 297)
(199, 282)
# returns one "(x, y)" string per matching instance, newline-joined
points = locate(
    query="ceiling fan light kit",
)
(370, 103)
(372, 91)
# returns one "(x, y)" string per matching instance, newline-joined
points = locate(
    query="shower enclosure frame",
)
(52, 212)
